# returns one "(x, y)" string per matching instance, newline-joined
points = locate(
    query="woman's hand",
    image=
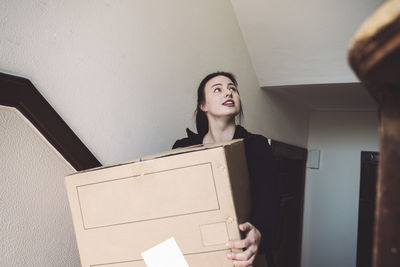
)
(250, 243)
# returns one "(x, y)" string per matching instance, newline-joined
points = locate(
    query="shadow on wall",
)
(289, 118)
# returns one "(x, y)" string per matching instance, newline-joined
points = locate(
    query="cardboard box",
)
(197, 195)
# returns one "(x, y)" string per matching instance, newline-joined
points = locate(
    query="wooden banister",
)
(374, 55)
(21, 94)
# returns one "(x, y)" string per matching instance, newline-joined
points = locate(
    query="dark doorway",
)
(366, 208)
(291, 165)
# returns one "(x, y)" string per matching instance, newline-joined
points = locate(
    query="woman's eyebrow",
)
(220, 84)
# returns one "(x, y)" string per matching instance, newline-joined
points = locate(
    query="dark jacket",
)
(263, 182)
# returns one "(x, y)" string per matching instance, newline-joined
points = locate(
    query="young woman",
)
(218, 108)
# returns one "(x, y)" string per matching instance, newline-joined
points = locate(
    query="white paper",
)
(165, 254)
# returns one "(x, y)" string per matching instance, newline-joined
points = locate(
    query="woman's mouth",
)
(229, 103)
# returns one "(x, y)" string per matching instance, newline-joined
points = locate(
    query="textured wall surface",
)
(332, 191)
(35, 222)
(123, 74)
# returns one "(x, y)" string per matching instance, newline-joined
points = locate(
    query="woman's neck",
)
(220, 131)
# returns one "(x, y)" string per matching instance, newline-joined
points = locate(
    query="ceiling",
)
(301, 42)
(342, 96)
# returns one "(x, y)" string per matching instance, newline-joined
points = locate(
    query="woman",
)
(218, 107)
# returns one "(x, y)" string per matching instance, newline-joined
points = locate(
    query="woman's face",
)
(221, 98)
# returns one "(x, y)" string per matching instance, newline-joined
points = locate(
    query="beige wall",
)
(123, 74)
(332, 191)
(35, 221)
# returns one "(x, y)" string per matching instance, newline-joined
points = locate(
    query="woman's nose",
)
(228, 93)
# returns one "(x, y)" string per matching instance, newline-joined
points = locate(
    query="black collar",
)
(240, 132)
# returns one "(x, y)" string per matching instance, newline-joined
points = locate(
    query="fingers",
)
(253, 238)
(244, 243)
(245, 255)
(247, 263)
(245, 258)
(245, 227)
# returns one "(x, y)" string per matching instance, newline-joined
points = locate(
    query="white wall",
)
(301, 42)
(123, 74)
(287, 118)
(35, 221)
(332, 192)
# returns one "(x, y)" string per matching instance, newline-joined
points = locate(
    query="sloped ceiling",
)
(301, 42)
(342, 96)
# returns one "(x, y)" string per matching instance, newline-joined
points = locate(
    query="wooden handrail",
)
(21, 94)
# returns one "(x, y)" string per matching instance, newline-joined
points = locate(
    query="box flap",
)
(168, 153)
(190, 149)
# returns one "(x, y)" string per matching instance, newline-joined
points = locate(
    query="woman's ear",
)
(203, 107)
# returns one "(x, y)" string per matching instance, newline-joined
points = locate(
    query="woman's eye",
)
(216, 90)
(232, 89)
